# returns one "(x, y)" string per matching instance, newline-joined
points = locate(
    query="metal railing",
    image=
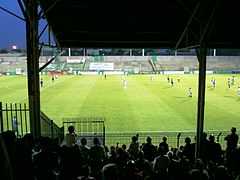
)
(87, 127)
(49, 128)
(175, 139)
(15, 117)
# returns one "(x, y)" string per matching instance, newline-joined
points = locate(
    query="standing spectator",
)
(163, 146)
(15, 125)
(84, 152)
(232, 140)
(149, 150)
(134, 148)
(97, 156)
(231, 150)
(161, 164)
(214, 151)
(188, 149)
(71, 137)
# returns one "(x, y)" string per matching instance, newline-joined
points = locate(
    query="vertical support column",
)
(84, 52)
(214, 52)
(49, 35)
(1, 118)
(33, 67)
(69, 52)
(52, 129)
(201, 55)
(130, 52)
(143, 52)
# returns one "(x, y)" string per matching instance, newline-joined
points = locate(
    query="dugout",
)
(176, 24)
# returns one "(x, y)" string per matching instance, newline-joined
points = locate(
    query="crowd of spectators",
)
(45, 159)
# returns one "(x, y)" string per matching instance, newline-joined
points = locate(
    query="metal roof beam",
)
(12, 13)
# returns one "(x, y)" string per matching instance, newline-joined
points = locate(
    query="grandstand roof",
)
(125, 23)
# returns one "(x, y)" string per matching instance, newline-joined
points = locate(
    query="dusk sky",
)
(12, 29)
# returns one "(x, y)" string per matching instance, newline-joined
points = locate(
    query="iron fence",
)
(15, 117)
(87, 127)
(49, 128)
(174, 139)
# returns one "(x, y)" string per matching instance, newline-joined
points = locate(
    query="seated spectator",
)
(5, 164)
(149, 150)
(143, 166)
(221, 173)
(110, 172)
(85, 174)
(199, 172)
(122, 156)
(131, 171)
(24, 156)
(112, 156)
(10, 143)
(45, 162)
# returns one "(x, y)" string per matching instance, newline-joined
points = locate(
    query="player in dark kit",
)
(172, 82)
(168, 79)
(229, 83)
(41, 82)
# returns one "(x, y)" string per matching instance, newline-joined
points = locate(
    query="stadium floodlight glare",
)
(14, 47)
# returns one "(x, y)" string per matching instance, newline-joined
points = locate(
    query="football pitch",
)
(145, 104)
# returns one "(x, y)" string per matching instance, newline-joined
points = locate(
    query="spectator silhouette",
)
(199, 172)
(84, 152)
(97, 157)
(161, 163)
(149, 150)
(70, 137)
(232, 140)
(188, 149)
(110, 172)
(5, 163)
(163, 146)
(134, 148)
(231, 150)
(214, 151)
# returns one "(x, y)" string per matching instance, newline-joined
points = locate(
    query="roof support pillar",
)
(33, 67)
(201, 55)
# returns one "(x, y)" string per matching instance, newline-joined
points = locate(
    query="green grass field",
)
(144, 105)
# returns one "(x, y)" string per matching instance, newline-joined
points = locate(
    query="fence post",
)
(103, 134)
(52, 130)
(1, 117)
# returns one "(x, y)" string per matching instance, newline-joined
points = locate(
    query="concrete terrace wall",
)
(120, 62)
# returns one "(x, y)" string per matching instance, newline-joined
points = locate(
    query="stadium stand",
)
(44, 158)
(218, 64)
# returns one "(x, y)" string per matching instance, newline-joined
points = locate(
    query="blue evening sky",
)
(12, 29)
